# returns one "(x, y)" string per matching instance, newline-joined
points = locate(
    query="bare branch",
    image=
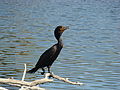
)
(1, 88)
(24, 73)
(65, 80)
(24, 83)
(32, 85)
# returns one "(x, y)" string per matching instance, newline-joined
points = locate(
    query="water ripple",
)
(91, 45)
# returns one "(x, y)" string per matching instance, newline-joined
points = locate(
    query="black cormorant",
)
(50, 55)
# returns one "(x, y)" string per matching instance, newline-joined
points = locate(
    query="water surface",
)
(91, 52)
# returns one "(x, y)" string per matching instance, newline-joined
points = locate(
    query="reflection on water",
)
(91, 46)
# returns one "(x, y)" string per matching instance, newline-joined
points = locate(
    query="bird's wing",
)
(46, 56)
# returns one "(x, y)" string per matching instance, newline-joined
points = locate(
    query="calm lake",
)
(91, 53)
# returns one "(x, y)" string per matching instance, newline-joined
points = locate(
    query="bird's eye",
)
(62, 29)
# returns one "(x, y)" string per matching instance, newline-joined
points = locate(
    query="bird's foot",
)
(42, 73)
(51, 74)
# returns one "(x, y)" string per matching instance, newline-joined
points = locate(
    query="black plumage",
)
(50, 55)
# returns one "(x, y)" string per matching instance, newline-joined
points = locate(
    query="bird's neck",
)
(60, 42)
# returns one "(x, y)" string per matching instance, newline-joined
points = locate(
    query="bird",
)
(51, 54)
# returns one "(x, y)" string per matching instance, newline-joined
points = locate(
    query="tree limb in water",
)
(32, 85)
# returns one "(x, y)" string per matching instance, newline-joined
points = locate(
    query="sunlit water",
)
(91, 52)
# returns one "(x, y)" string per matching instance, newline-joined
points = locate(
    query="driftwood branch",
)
(24, 83)
(36, 82)
(32, 85)
(24, 73)
(66, 80)
(1, 88)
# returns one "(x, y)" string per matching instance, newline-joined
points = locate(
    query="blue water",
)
(91, 52)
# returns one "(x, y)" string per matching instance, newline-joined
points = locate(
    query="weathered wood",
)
(2, 88)
(32, 85)
(24, 83)
(65, 80)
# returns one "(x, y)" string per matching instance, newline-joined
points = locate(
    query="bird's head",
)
(59, 30)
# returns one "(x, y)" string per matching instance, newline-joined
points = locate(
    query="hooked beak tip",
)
(67, 27)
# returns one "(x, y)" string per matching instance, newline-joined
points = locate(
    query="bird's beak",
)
(63, 28)
(67, 27)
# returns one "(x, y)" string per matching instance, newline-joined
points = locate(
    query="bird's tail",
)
(33, 70)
